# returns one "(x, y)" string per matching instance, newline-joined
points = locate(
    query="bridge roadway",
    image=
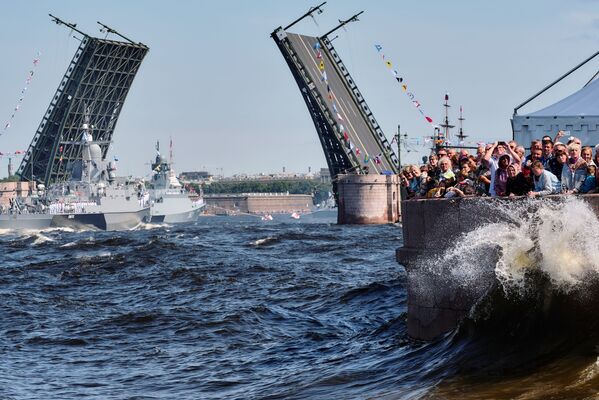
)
(357, 127)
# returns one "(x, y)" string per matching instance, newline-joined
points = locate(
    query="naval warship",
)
(170, 202)
(93, 197)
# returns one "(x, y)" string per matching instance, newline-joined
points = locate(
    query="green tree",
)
(314, 187)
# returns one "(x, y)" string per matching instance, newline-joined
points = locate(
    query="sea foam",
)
(557, 237)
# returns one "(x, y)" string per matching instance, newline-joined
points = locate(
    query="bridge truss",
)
(346, 127)
(94, 89)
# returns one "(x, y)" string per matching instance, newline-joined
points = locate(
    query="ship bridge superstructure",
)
(93, 88)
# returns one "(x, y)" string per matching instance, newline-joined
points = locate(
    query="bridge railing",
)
(340, 159)
(368, 116)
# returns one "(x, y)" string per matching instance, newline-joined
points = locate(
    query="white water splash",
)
(58, 229)
(39, 239)
(556, 237)
(263, 241)
(147, 226)
(568, 242)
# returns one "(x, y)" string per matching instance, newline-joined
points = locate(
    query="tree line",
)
(314, 187)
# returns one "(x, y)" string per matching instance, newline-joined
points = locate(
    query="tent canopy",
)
(583, 102)
(577, 113)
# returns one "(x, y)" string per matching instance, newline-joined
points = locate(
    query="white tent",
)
(577, 113)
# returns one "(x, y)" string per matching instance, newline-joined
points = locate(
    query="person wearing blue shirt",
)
(590, 183)
(545, 182)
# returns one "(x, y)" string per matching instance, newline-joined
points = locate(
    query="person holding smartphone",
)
(491, 158)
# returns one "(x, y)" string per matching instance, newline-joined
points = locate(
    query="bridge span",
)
(352, 140)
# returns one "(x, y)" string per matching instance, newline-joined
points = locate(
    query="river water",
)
(238, 308)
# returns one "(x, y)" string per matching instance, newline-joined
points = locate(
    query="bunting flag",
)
(12, 154)
(17, 107)
(331, 97)
(404, 86)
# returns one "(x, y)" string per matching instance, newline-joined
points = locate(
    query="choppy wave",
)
(147, 226)
(224, 308)
(233, 308)
(265, 241)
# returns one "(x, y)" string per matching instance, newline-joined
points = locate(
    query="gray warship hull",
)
(177, 218)
(107, 221)
(172, 208)
(25, 221)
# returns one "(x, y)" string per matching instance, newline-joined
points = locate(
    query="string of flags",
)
(17, 107)
(330, 95)
(12, 154)
(404, 86)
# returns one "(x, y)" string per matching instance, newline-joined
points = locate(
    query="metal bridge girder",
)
(328, 123)
(95, 85)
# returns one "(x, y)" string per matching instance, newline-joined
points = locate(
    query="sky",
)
(216, 83)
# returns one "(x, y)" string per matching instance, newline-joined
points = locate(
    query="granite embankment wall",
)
(436, 302)
(260, 202)
(368, 199)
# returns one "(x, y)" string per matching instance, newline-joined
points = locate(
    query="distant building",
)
(288, 176)
(258, 203)
(206, 177)
(325, 175)
(11, 190)
(196, 176)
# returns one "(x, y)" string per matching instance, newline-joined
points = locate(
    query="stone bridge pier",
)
(368, 199)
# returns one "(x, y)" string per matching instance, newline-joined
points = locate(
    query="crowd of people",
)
(552, 166)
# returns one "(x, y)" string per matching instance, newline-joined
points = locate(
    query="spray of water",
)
(557, 237)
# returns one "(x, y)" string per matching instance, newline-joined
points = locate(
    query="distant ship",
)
(170, 202)
(94, 198)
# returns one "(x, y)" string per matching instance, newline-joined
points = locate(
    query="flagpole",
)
(397, 136)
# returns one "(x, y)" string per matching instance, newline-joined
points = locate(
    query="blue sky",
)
(215, 81)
